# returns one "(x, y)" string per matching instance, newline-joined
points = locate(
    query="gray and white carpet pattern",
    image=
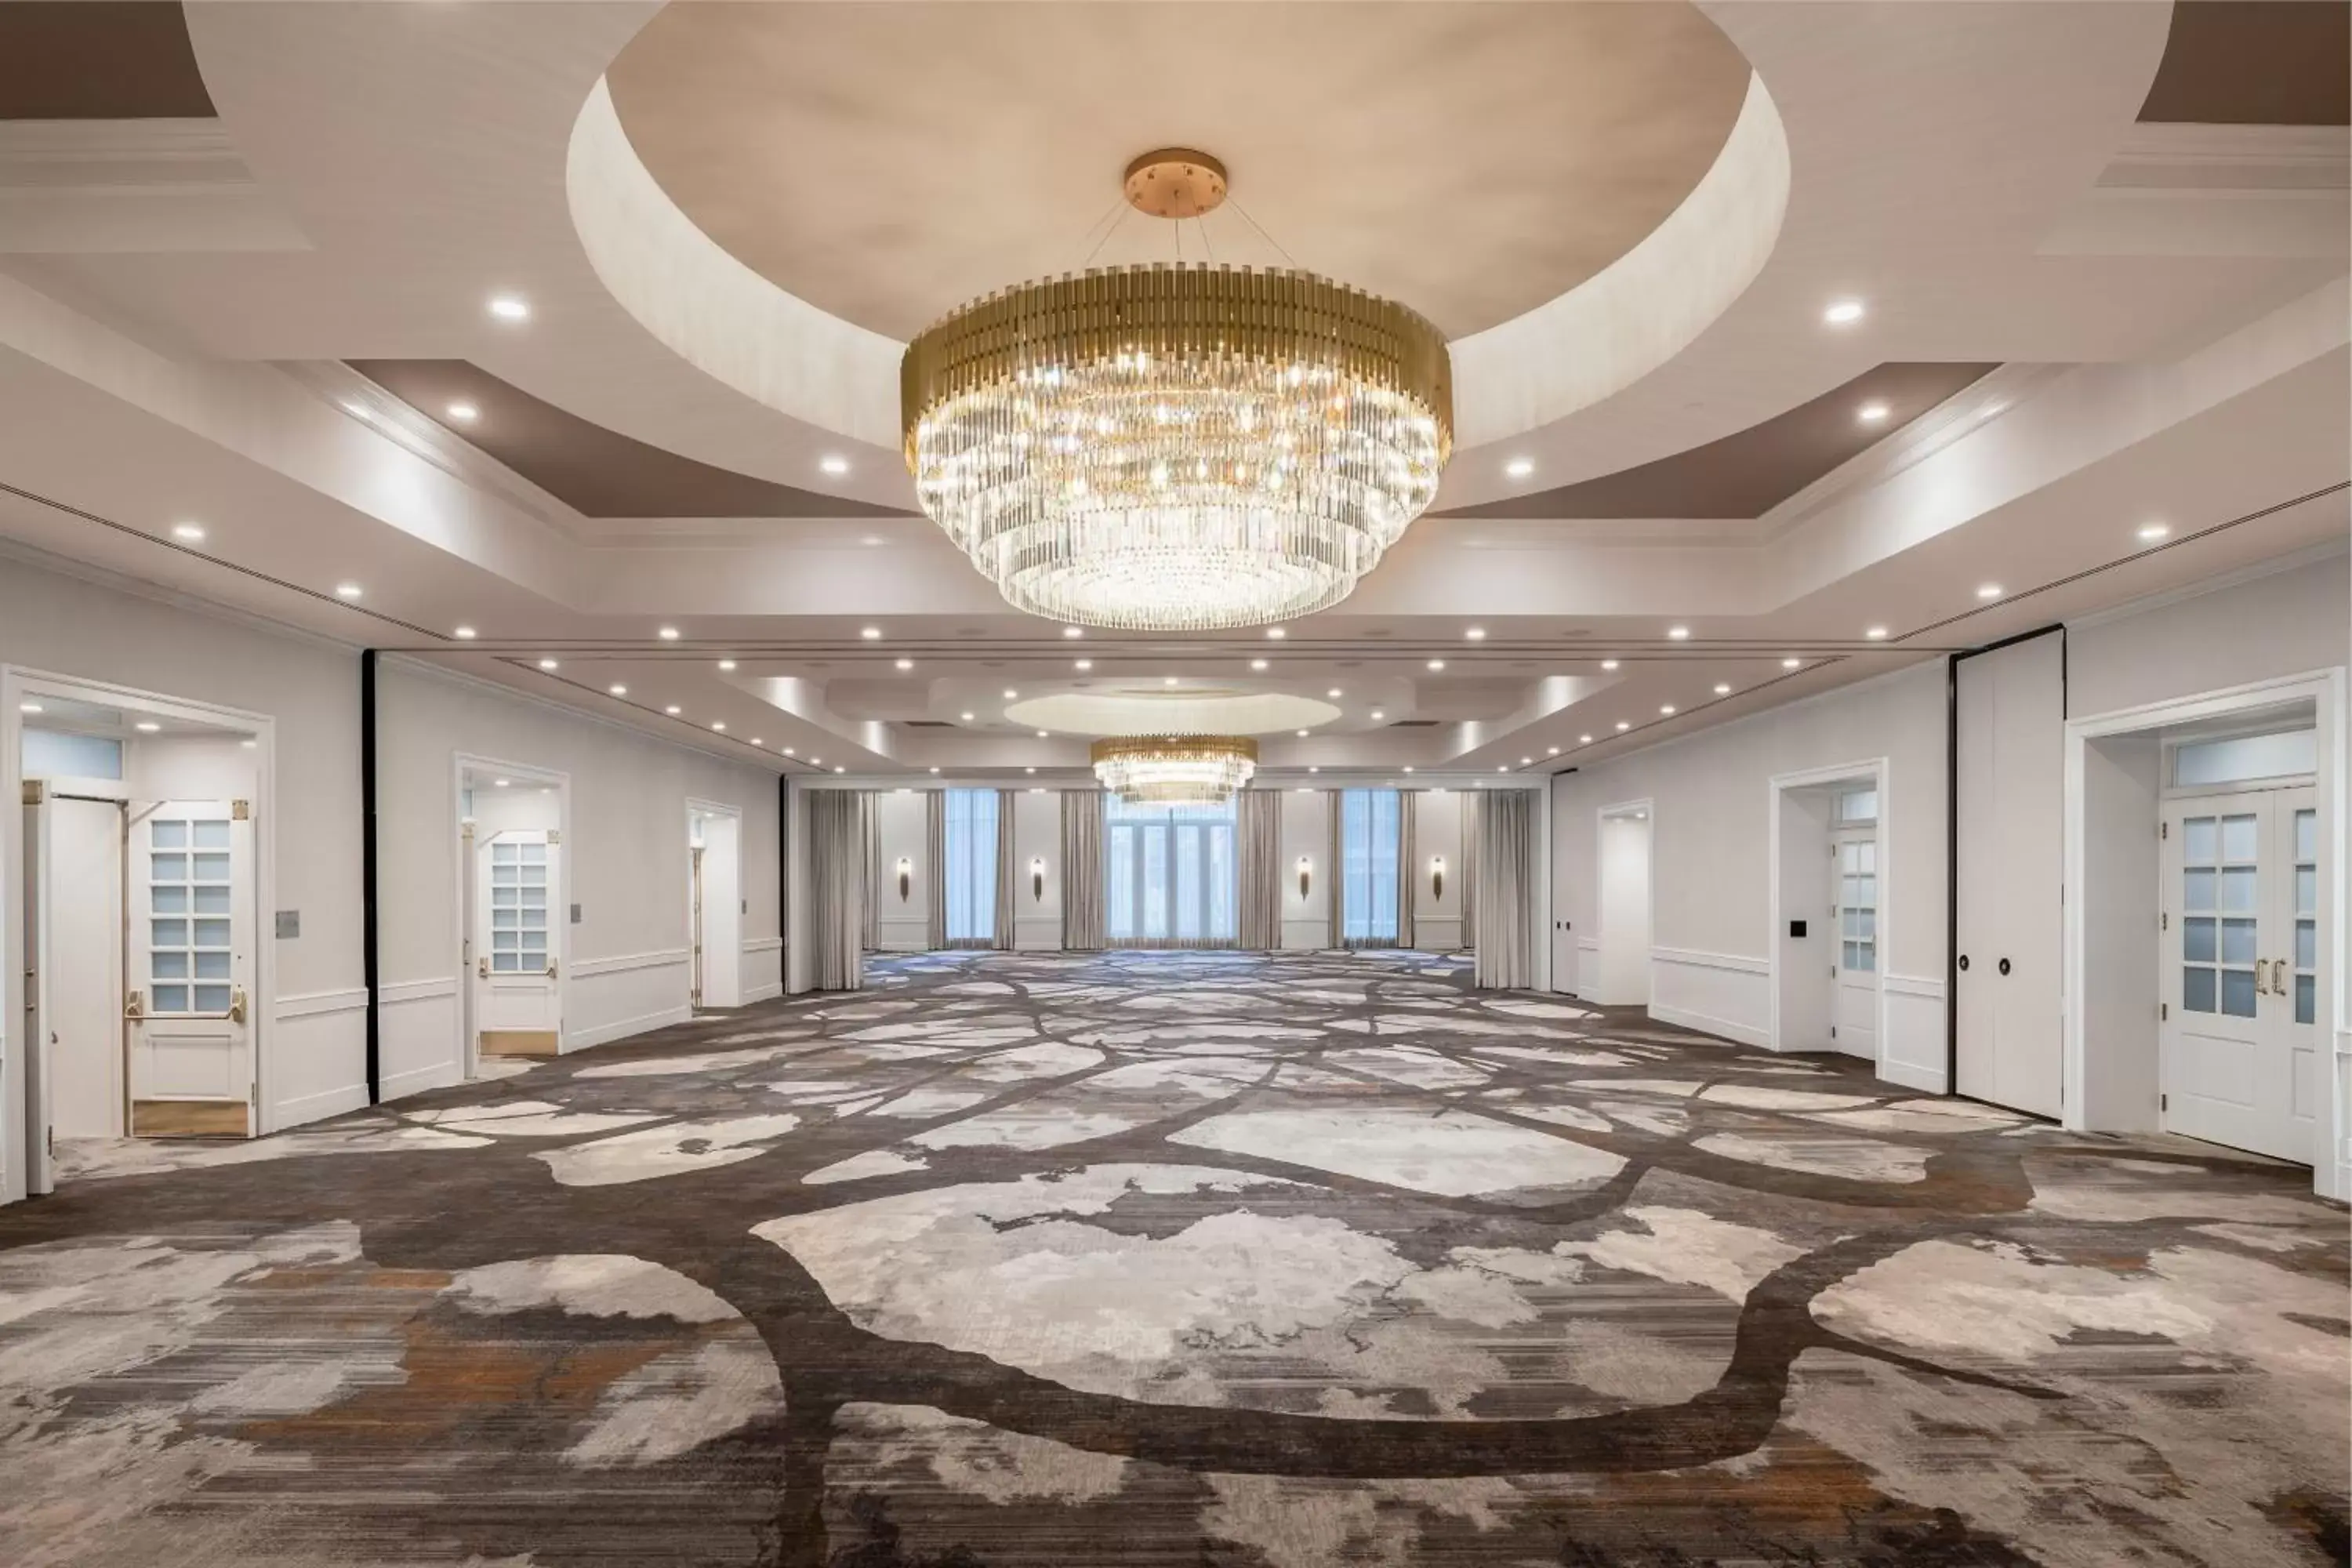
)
(1174, 1258)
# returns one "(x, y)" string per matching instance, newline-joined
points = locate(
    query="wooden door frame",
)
(2324, 688)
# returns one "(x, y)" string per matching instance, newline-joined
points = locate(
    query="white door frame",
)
(469, 1054)
(1648, 808)
(2324, 689)
(19, 684)
(1878, 770)
(696, 807)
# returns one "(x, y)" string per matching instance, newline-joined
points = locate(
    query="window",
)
(518, 908)
(1169, 874)
(1368, 860)
(2221, 877)
(972, 867)
(1858, 904)
(188, 915)
(1857, 806)
(2241, 758)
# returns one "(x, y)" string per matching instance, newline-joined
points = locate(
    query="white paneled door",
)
(1853, 899)
(517, 895)
(2244, 971)
(189, 959)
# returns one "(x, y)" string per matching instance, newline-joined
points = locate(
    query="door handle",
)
(482, 968)
(551, 969)
(134, 1005)
(2004, 966)
(1964, 964)
(236, 1005)
(2274, 989)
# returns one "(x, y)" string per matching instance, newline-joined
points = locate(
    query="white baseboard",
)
(766, 993)
(1707, 1023)
(621, 1028)
(416, 1081)
(1925, 1079)
(318, 1107)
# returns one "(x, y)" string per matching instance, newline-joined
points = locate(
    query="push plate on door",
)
(289, 923)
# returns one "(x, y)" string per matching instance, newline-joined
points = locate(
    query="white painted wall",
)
(1306, 830)
(2122, 786)
(1037, 836)
(1437, 829)
(2285, 623)
(902, 925)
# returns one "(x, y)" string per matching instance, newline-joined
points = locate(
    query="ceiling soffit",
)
(120, 59)
(2255, 62)
(597, 472)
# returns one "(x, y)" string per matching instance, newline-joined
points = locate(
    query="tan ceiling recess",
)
(99, 60)
(888, 162)
(2255, 62)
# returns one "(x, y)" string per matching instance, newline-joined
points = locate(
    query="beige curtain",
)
(935, 869)
(1082, 870)
(1008, 801)
(1408, 864)
(1337, 874)
(1506, 894)
(869, 831)
(1257, 836)
(841, 862)
(1469, 906)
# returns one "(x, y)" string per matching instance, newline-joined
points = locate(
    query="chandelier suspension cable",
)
(1117, 214)
(1262, 232)
(1206, 248)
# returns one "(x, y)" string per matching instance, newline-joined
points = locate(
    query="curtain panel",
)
(1472, 814)
(1408, 865)
(1001, 934)
(935, 869)
(1257, 854)
(1082, 870)
(1505, 896)
(1336, 802)
(841, 862)
(870, 884)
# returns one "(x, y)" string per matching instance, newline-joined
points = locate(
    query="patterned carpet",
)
(1174, 1260)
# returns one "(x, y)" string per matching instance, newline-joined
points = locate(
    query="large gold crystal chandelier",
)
(1177, 448)
(1175, 770)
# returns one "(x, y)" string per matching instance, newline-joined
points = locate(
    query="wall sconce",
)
(1037, 877)
(905, 877)
(1305, 867)
(1437, 877)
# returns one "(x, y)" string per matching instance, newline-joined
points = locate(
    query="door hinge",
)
(2164, 1103)
(555, 837)
(1832, 1031)
(33, 791)
(240, 811)
(2164, 1012)
(2164, 921)
(2164, 830)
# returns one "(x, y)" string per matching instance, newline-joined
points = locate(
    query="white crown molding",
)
(120, 153)
(2295, 561)
(140, 588)
(2232, 157)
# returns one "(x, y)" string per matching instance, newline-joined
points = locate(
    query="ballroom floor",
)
(1170, 1259)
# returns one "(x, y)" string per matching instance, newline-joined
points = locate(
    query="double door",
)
(2243, 965)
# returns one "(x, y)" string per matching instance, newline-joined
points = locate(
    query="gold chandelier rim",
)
(1115, 748)
(1170, 310)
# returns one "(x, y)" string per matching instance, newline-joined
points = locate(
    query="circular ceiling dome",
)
(1188, 713)
(886, 163)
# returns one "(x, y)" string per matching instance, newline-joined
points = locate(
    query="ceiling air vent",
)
(1414, 724)
(931, 723)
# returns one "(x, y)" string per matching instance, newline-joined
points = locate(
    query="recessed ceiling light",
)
(1723, 688)
(1501, 768)
(464, 413)
(871, 540)
(1257, 664)
(1277, 633)
(1607, 664)
(1302, 734)
(347, 590)
(1074, 631)
(1987, 590)
(1335, 691)
(935, 770)
(1552, 751)
(192, 532)
(28, 708)
(1378, 714)
(1790, 663)
(1085, 664)
(839, 769)
(1519, 467)
(1302, 789)
(1679, 634)
(1524, 762)
(871, 634)
(1666, 707)
(1584, 739)
(906, 664)
(1872, 413)
(502, 783)
(147, 726)
(1010, 694)
(510, 307)
(1167, 681)
(618, 691)
(792, 750)
(2154, 531)
(1041, 734)
(667, 634)
(816, 762)
(833, 463)
(1437, 664)
(463, 634)
(1313, 768)
(547, 664)
(757, 741)
(726, 664)
(1028, 770)
(1036, 789)
(719, 725)
(1876, 634)
(672, 708)
(1842, 312)
(1476, 634)
(1622, 725)
(249, 744)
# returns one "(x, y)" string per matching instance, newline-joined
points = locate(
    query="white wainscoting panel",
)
(1914, 1051)
(903, 934)
(1587, 961)
(764, 968)
(613, 998)
(317, 1046)
(1724, 993)
(1306, 935)
(1036, 934)
(418, 1040)
(1436, 935)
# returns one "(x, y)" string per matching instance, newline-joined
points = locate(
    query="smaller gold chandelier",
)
(1175, 770)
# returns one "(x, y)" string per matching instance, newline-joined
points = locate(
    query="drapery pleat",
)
(935, 869)
(1471, 805)
(870, 830)
(840, 864)
(1082, 870)
(1408, 865)
(1257, 832)
(1001, 937)
(1336, 800)
(1505, 893)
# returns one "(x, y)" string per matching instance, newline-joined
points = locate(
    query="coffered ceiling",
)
(2102, 294)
